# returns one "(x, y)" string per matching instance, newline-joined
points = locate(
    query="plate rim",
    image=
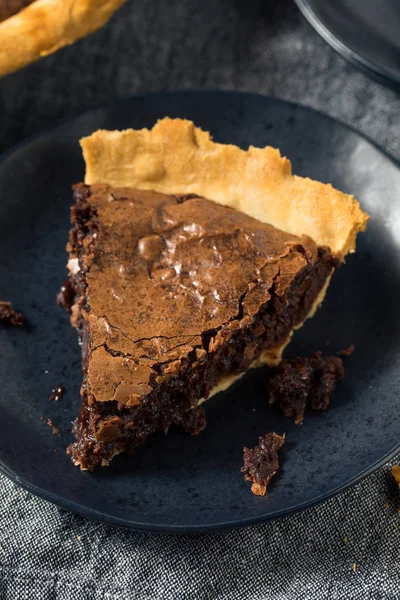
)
(98, 516)
(368, 67)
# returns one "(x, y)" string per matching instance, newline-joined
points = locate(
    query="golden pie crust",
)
(177, 157)
(48, 25)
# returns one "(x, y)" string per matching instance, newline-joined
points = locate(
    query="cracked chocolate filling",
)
(172, 294)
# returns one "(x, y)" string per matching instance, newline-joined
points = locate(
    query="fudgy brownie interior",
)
(172, 295)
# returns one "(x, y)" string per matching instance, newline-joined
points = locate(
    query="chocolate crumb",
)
(302, 382)
(347, 351)
(42, 418)
(56, 431)
(8, 316)
(57, 393)
(261, 462)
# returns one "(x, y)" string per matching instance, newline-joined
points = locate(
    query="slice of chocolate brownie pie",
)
(189, 266)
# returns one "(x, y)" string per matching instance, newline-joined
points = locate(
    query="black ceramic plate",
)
(366, 33)
(183, 483)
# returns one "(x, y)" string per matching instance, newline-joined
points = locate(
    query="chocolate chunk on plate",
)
(305, 382)
(261, 462)
(9, 316)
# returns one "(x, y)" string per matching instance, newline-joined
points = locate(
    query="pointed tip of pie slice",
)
(178, 157)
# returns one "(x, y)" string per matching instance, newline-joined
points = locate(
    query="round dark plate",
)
(366, 33)
(181, 483)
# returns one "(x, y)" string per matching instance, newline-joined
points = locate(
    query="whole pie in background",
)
(31, 29)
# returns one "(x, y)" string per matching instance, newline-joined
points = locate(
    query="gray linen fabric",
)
(47, 553)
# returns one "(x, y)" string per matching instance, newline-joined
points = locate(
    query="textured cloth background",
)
(47, 553)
